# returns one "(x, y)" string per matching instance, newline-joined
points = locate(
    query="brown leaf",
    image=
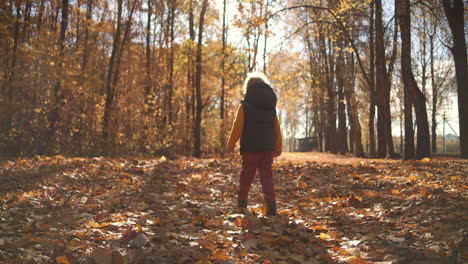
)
(129, 233)
(102, 256)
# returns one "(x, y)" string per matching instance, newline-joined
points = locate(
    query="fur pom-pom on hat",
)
(253, 78)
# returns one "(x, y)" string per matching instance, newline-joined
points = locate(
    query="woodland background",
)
(164, 77)
(135, 88)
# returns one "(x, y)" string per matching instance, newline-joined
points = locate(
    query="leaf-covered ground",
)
(332, 209)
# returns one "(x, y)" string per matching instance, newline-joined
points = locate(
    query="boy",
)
(258, 128)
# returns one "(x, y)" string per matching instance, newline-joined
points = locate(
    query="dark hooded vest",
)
(259, 132)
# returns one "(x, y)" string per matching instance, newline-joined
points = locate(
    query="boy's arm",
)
(237, 128)
(279, 138)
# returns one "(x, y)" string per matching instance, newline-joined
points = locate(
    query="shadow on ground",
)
(182, 211)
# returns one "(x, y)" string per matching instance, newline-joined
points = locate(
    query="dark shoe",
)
(242, 204)
(271, 208)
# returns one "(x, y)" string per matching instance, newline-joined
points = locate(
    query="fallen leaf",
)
(220, 255)
(62, 260)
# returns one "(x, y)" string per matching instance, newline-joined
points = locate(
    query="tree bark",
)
(454, 11)
(383, 89)
(266, 37)
(148, 98)
(84, 63)
(356, 139)
(58, 96)
(190, 100)
(434, 95)
(109, 87)
(409, 131)
(223, 80)
(417, 97)
(171, 61)
(342, 135)
(331, 133)
(199, 107)
(372, 103)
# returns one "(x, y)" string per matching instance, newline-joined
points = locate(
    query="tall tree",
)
(190, 98)
(417, 97)
(454, 11)
(223, 78)
(372, 103)
(341, 83)
(148, 97)
(109, 80)
(356, 135)
(383, 89)
(198, 75)
(58, 95)
(170, 86)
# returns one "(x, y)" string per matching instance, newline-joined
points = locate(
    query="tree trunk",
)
(58, 96)
(199, 107)
(356, 139)
(84, 63)
(372, 103)
(454, 10)
(223, 80)
(434, 96)
(109, 88)
(266, 36)
(342, 135)
(148, 100)
(189, 103)
(171, 61)
(417, 97)
(409, 131)
(331, 135)
(383, 89)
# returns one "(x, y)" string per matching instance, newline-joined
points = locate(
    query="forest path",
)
(332, 209)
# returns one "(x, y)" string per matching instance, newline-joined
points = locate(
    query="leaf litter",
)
(332, 209)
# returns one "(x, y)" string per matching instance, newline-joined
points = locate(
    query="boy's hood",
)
(262, 96)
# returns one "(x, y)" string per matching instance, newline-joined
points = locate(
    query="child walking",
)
(258, 128)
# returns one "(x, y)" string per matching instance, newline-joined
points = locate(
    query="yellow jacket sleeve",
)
(279, 138)
(237, 127)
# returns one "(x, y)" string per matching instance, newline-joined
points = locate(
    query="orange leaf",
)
(396, 192)
(283, 212)
(139, 228)
(318, 227)
(208, 245)
(157, 220)
(303, 184)
(62, 260)
(93, 224)
(126, 180)
(220, 255)
(44, 227)
(241, 222)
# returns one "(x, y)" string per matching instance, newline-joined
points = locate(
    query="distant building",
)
(305, 144)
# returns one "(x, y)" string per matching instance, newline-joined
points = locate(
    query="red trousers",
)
(251, 161)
